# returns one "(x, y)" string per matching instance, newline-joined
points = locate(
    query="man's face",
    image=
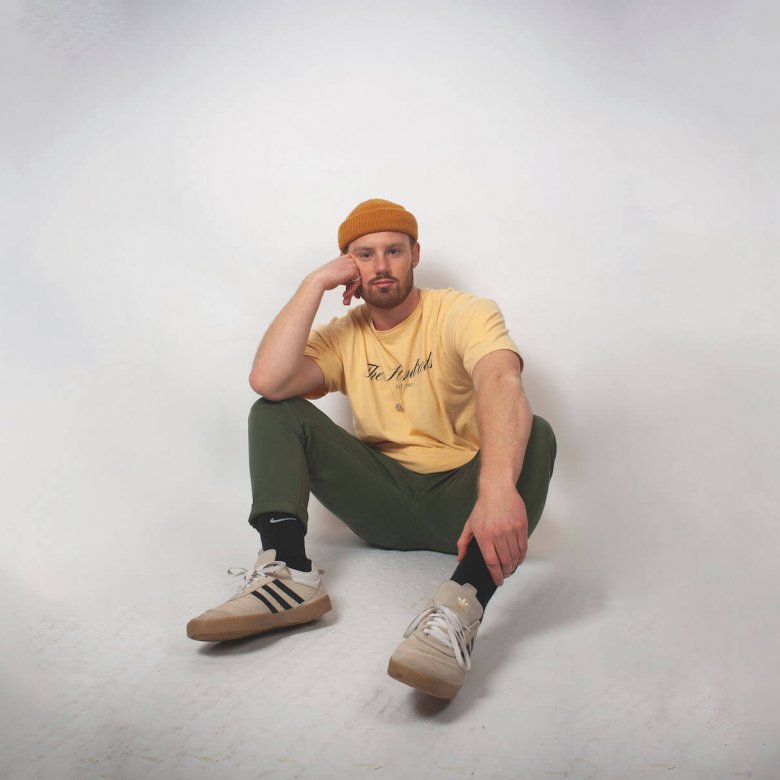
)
(386, 262)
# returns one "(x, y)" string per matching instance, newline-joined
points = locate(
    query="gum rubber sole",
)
(422, 682)
(243, 626)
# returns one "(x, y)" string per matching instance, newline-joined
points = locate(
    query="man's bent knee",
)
(544, 437)
(264, 406)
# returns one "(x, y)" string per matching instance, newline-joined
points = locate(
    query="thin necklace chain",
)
(400, 386)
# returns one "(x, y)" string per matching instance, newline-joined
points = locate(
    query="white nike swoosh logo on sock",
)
(280, 519)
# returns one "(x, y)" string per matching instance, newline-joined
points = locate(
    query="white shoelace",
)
(444, 625)
(251, 576)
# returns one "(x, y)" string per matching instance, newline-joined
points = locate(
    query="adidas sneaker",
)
(436, 652)
(271, 596)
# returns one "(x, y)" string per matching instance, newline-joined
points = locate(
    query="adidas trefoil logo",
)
(462, 602)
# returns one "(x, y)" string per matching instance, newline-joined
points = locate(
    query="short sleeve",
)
(322, 349)
(477, 329)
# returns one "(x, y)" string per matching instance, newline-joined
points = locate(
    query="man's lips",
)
(384, 282)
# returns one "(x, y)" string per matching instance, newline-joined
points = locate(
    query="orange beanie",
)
(376, 216)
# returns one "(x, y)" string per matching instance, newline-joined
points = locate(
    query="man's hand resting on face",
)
(341, 270)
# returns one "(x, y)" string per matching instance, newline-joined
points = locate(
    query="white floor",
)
(569, 680)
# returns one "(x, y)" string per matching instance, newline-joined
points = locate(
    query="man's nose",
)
(381, 264)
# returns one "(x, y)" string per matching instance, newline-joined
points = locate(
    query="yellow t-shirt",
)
(410, 387)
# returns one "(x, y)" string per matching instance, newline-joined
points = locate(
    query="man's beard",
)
(390, 297)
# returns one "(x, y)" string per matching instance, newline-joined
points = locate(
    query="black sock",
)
(284, 533)
(474, 571)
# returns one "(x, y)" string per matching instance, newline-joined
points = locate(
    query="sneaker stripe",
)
(271, 592)
(265, 601)
(291, 593)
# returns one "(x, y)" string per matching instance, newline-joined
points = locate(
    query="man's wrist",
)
(493, 484)
(314, 283)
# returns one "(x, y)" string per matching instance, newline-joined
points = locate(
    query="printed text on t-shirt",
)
(378, 373)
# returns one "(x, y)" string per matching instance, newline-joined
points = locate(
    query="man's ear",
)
(415, 254)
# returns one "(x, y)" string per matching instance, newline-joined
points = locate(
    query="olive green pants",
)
(295, 449)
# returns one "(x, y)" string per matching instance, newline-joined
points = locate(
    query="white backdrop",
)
(608, 172)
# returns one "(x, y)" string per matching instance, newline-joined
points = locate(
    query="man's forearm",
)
(284, 342)
(504, 419)
(498, 519)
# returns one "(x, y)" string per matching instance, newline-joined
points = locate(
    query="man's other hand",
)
(499, 523)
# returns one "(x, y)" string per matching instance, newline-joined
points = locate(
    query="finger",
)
(522, 546)
(356, 290)
(496, 573)
(490, 556)
(350, 291)
(464, 540)
(506, 559)
(514, 556)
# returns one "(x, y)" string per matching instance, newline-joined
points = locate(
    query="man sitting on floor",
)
(446, 456)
